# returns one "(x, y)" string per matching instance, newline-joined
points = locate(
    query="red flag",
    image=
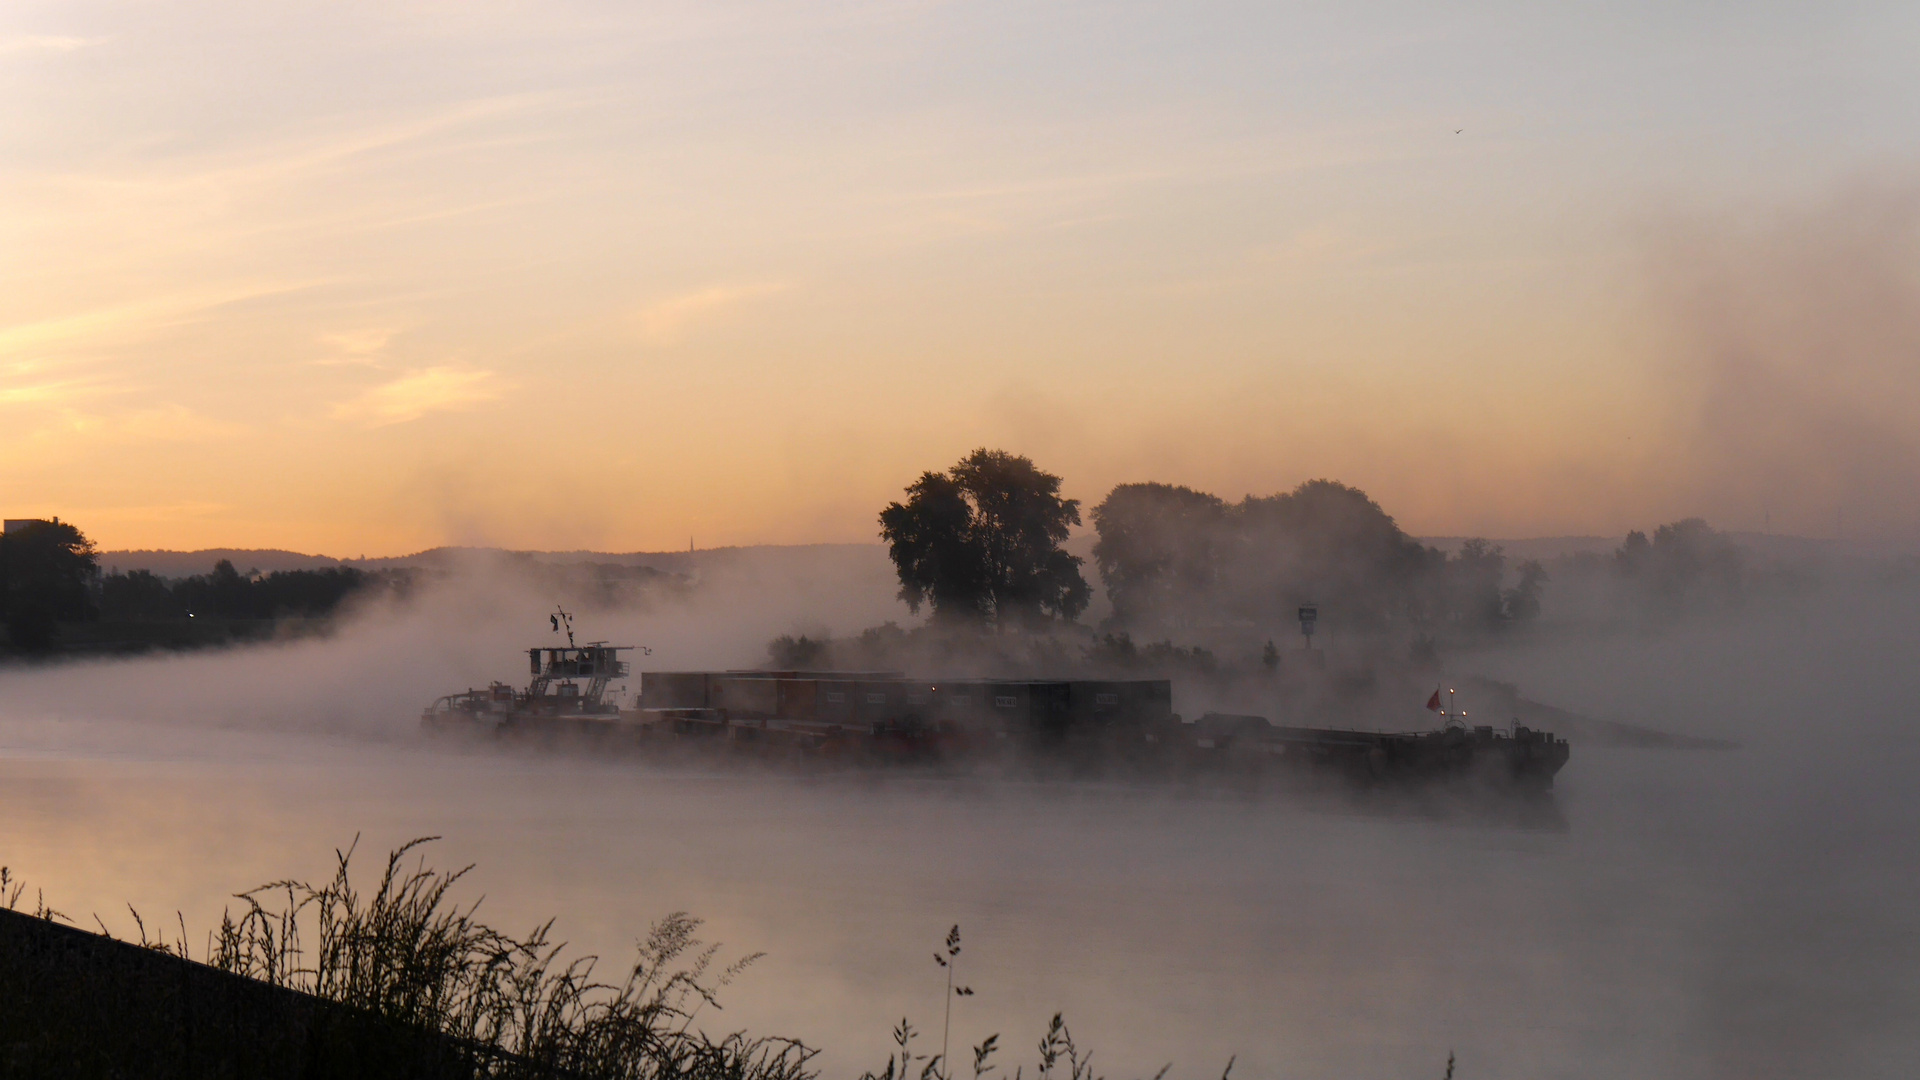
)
(1434, 701)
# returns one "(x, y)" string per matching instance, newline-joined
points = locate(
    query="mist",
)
(1622, 300)
(1697, 914)
(1787, 340)
(470, 623)
(1685, 913)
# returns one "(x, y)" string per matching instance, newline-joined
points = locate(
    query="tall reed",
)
(1058, 1053)
(409, 954)
(513, 1009)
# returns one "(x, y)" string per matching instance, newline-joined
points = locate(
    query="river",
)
(1746, 913)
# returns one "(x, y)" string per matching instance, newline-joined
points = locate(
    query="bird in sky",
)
(1457, 131)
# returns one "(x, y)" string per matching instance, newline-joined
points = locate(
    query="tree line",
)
(1174, 557)
(50, 574)
(982, 543)
(47, 570)
(228, 593)
(1686, 565)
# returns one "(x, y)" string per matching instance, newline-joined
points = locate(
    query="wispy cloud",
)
(359, 347)
(44, 393)
(306, 156)
(120, 323)
(32, 43)
(417, 393)
(54, 422)
(171, 423)
(666, 320)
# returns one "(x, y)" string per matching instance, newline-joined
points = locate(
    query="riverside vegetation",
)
(418, 986)
(981, 547)
(54, 599)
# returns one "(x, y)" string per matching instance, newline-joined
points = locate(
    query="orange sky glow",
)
(364, 279)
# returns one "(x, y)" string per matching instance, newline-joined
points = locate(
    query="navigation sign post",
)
(1308, 616)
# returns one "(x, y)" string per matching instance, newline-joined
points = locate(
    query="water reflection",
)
(1664, 915)
(1318, 936)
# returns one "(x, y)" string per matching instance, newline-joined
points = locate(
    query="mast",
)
(597, 662)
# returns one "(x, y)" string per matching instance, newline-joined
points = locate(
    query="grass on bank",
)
(410, 955)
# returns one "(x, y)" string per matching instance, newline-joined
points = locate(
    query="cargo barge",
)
(877, 717)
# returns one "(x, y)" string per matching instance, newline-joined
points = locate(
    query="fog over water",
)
(1698, 914)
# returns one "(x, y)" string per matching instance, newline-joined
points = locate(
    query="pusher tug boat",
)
(568, 691)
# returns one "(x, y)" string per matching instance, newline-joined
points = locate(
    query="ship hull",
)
(1242, 747)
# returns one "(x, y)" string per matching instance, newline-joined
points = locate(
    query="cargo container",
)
(887, 716)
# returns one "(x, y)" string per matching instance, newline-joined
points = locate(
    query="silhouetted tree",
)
(1119, 652)
(799, 653)
(1170, 555)
(305, 592)
(47, 571)
(1633, 555)
(1157, 548)
(982, 541)
(930, 539)
(225, 592)
(1522, 602)
(1686, 564)
(138, 594)
(228, 593)
(1330, 544)
(1473, 578)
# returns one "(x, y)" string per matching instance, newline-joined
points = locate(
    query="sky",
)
(364, 278)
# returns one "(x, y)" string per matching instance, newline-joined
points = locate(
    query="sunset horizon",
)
(337, 279)
(1254, 538)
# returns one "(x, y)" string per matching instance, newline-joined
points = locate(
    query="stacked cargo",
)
(886, 716)
(973, 712)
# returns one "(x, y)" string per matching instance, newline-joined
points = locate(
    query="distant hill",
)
(795, 555)
(178, 564)
(1543, 548)
(1769, 546)
(804, 557)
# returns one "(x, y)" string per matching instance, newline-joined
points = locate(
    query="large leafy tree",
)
(46, 573)
(1171, 555)
(981, 541)
(1686, 564)
(1330, 543)
(1159, 548)
(931, 540)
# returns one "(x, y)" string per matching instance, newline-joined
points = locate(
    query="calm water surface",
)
(1696, 915)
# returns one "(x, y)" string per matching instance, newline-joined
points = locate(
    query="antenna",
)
(561, 618)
